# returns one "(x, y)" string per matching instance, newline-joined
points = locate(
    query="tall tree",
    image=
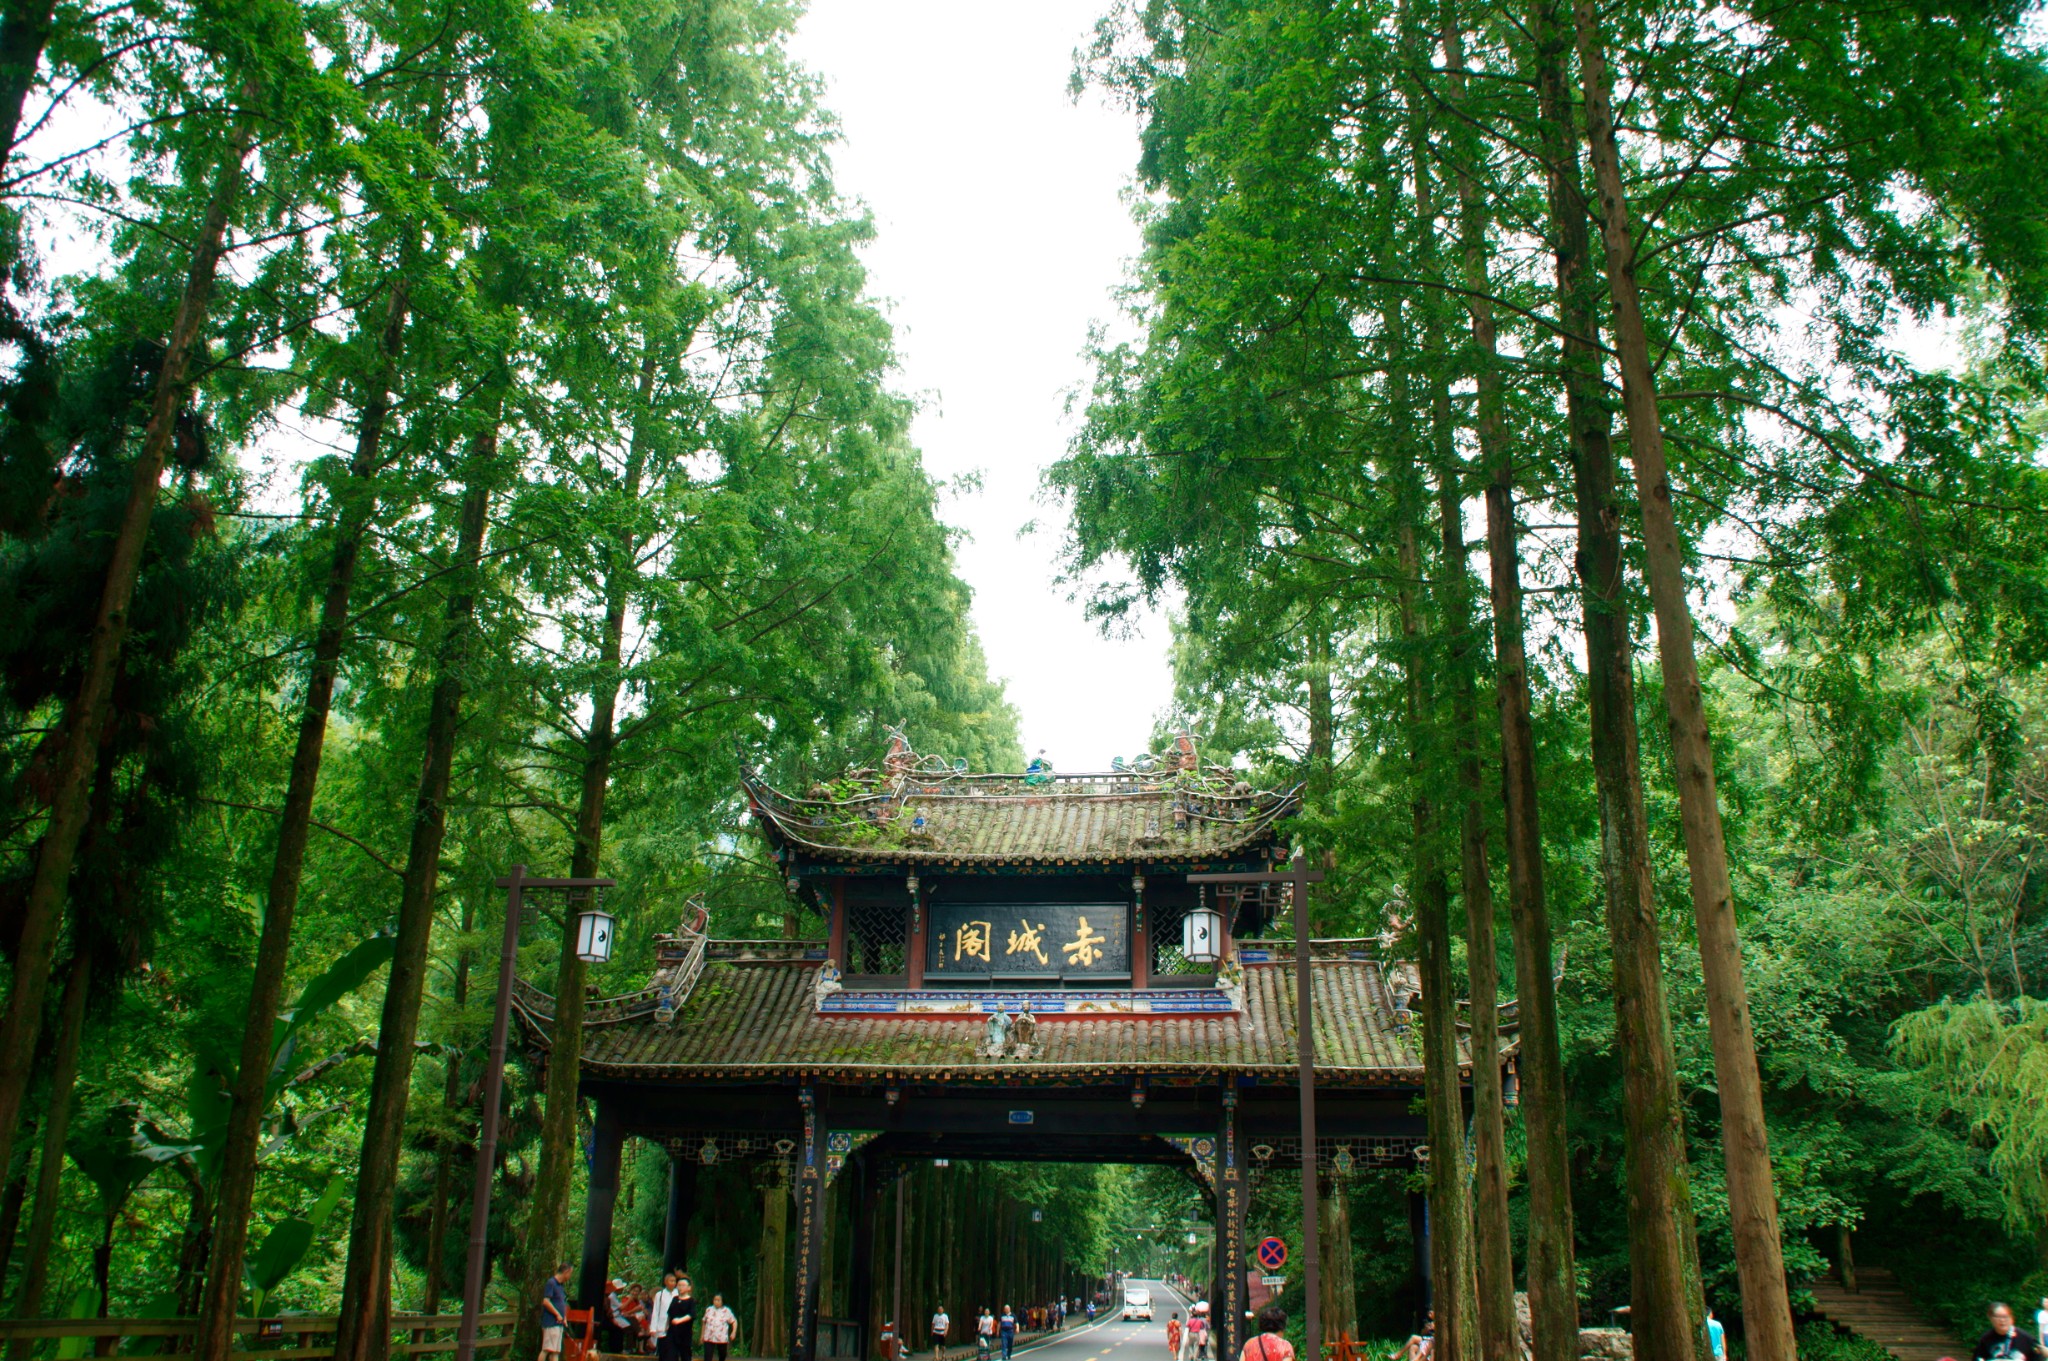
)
(1745, 1144)
(23, 1020)
(1665, 1295)
(1553, 1286)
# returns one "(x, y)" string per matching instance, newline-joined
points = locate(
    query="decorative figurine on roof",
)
(827, 982)
(1023, 1032)
(1116, 764)
(995, 1035)
(1397, 924)
(901, 758)
(1230, 980)
(1039, 771)
(665, 1007)
(1184, 752)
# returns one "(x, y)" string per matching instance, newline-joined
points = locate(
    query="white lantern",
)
(594, 936)
(1201, 935)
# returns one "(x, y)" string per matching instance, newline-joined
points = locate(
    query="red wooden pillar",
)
(1141, 934)
(913, 960)
(835, 947)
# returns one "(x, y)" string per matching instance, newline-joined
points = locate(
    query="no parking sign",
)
(1272, 1254)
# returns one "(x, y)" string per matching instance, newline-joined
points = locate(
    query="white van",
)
(1137, 1304)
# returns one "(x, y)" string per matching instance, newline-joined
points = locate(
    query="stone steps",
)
(1881, 1312)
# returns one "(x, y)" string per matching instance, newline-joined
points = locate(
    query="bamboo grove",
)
(1475, 349)
(436, 437)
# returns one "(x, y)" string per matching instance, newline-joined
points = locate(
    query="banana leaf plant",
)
(194, 1152)
(286, 1245)
(105, 1150)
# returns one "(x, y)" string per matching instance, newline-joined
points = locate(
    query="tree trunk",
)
(549, 1219)
(1340, 1289)
(1493, 1260)
(1322, 745)
(1745, 1143)
(771, 1295)
(103, 1261)
(236, 1181)
(1551, 1265)
(1665, 1301)
(363, 1332)
(444, 1164)
(1473, 1264)
(10, 1217)
(195, 1245)
(24, 33)
(1450, 1258)
(42, 1223)
(22, 1025)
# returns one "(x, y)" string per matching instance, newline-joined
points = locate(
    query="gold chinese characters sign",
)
(1050, 940)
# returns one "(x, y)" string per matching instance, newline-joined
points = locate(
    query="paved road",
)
(1111, 1339)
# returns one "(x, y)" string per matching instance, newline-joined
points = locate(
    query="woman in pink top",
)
(1269, 1345)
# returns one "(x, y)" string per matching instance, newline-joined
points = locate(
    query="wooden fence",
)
(284, 1337)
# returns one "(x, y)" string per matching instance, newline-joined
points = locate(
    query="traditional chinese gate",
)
(958, 905)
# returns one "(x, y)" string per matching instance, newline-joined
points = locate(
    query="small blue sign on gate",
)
(1022, 1117)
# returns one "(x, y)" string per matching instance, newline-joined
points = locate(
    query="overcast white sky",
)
(1001, 234)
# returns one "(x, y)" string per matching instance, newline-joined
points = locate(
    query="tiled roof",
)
(760, 1019)
(1118, 818)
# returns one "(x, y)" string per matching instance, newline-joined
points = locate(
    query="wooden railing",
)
(284, 1337)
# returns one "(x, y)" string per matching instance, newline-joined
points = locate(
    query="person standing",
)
(554, 1311)
(1173, 1336)
(2005, 1342)
(941, 1325)
(984, 1334)
(721, 1329)
(657, 1317)
(1008, 1330)
(1717, 1336)
(1198, 1333)
(682, 1320)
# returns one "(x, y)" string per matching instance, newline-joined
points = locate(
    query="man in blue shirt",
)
(1717, 1336)
(1008, 1329)
(554, 1312)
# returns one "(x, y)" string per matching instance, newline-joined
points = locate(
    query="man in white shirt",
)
(657, 1316)
(941, 1325)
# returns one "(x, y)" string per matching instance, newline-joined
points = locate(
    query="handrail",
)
(278, 1327)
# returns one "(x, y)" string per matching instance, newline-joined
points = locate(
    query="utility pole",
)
(516, 886)
(1299, 876)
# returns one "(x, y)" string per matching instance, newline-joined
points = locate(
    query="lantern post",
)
(594, 946)
(1299, 876)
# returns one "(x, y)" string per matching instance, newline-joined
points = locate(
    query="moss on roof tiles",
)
(748, 1018)
(992, 819)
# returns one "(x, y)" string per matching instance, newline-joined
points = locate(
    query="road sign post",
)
(1299, 876)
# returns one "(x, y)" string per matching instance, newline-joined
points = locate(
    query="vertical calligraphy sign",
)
(1230, 1231)
(810, 1230)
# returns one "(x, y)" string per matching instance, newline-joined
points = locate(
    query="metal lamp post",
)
(593, 945)
(1300, 876)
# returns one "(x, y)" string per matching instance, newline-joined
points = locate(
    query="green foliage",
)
(287, 1244)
